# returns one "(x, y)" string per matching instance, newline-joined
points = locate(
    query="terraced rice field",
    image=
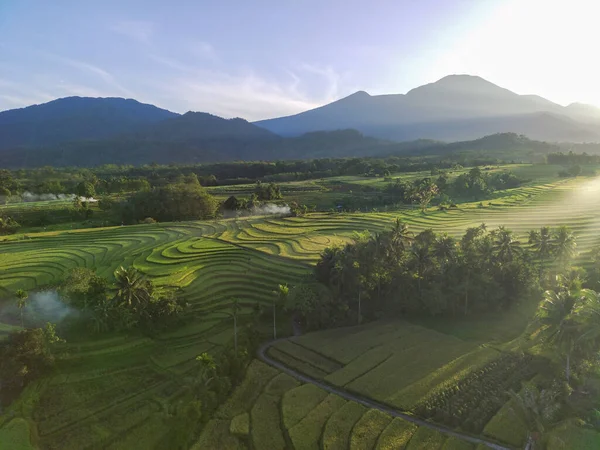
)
(394, 362)
(271, 410)
(122, 386)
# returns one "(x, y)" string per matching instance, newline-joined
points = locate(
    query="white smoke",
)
(270, 209)
(31, 197)
(47, 306)
(40, 307)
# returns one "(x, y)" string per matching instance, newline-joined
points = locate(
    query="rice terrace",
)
(212, 238)
(126, 389)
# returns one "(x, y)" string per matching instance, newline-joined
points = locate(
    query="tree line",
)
(473, 185)
(399, 272)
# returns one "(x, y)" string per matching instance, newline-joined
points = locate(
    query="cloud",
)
(329, 74)
(202, 49)
(245, 93)
(96, 71)
(138, 30)
(17, 95)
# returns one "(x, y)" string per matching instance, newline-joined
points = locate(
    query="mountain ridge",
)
(465, 97)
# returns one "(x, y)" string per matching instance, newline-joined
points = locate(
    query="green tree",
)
(505, 245)
(21, 303)
(541, 243)
(133, 289)
(208, 366)
(536, 409)
(279, 299)
(4, 195)
(564, 245)
(235, 309)
(557, 323)
(86, 189)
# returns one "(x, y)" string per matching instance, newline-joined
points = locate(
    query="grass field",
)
(121, 385)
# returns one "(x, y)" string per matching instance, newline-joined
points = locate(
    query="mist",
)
(270, 209)
(41, 307)
(31, 197)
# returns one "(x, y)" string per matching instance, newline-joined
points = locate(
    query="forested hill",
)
(75, 118)
(158, 148)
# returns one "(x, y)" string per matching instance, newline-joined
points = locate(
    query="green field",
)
(284, 414)
(119, 385)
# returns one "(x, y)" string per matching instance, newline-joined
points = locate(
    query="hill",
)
(457, 107)
(75, 118)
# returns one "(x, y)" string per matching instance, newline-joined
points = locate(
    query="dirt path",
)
(369, 403)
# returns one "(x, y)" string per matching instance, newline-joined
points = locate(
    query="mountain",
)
(197, 126)
(457, 107)
(75, 118)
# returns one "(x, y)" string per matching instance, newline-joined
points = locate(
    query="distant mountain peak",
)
(359, 94)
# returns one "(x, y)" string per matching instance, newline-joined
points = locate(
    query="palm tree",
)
(21, 302)
(505, 245)
(444, 248)
(133, 289)
(422, 261)
(536, 409)
(557, 323)
(541, 243)
(400, 234)
(469, 247)
(207, 368)
(235, 308)
(279, 297)
(564, 245)
(589, 320)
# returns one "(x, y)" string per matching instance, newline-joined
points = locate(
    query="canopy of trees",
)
(428, 273)
(131, 301)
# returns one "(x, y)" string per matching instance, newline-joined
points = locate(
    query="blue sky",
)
(258, 59)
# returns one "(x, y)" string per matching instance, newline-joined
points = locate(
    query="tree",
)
(279, 298)
(588, 316)
(505, 246)
(208, 366)
(541, 243)
(536, 409)
(401, 235)
(557, 324)
(235, 308)
(4, 195)
(133, 289)
(564, 244)
(86, 189)
(21, 302)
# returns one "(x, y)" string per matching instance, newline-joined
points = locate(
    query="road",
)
(369, 403)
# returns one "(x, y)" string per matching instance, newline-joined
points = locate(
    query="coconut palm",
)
(401, 235)
(444, 249)
(557, 323)
(422, 263)
(541, 243)
(564, 245)
(21, 302)
(279, 297)
(505, 246)
(589, 320)
(207, 368)
(536, 409)
(235, 308)
(133, 289)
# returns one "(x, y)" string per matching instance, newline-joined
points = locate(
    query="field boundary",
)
(369, 403)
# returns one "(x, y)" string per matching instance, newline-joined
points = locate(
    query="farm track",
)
(369, 403)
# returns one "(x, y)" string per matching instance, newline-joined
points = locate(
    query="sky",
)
(267, 58)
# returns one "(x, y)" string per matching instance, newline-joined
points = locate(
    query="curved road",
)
(369, 403)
